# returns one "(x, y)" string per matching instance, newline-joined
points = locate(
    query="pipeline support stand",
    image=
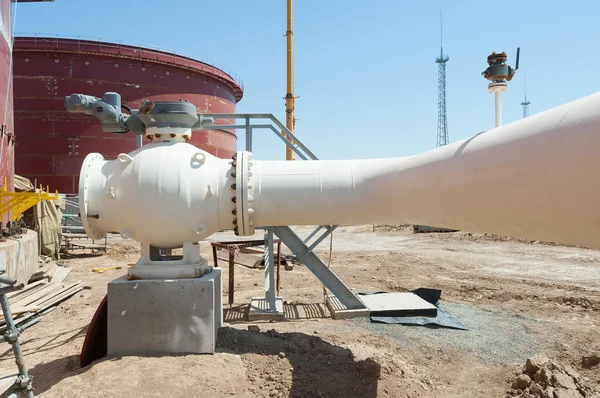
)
(271, 306)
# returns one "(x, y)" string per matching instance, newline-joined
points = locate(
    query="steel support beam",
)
(269, 271)
(318, 268)
(248, 136)
(329, 230)
(278, 124)
(287, 142)
(313, 233)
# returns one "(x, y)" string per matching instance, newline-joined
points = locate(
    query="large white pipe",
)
(536, 178)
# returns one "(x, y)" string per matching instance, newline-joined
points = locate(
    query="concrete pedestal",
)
(19, 256)
(154, 317)
(259, 310)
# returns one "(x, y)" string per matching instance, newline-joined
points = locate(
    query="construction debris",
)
(542, 377)
(42, 296)
(101, 270)
(55, 271)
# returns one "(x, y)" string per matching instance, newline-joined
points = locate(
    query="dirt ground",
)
(517, 299)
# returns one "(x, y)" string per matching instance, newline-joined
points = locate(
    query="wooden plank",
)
(50, 288)
(249, 250)
(60, 274)
(57, 299)
(74, 236)
(21, 310)
(38, 278)
(63, 295)
(27, 290)
(44, 299)
(88, 246)
(51, 270)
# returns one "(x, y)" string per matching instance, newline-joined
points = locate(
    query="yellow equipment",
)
(19, 202)
(101, 270)
(290, 121)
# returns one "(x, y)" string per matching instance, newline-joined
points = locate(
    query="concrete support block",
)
(155, 317)
(259, 310)
(19, 256)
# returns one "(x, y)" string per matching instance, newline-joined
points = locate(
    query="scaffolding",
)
(19, 202)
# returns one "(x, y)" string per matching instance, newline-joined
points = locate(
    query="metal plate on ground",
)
(95, 343)
(397, 304)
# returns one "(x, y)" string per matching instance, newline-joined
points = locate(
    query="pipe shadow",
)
(318, 368)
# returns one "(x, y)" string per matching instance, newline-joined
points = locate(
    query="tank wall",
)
(53, 143)
(6, 101)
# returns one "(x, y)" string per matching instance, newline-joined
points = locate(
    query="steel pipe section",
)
(536, 178)
(163, 194)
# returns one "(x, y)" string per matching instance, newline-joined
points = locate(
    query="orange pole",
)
(289, 96)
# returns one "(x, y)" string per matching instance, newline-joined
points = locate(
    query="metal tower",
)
(442, 127)
(525, 103)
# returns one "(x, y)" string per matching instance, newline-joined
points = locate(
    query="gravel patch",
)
(493, 336)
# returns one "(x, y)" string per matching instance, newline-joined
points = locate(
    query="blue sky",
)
(364, 71)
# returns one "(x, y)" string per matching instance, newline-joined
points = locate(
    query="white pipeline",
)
(536, 179)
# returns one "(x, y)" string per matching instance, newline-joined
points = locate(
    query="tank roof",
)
(34, 43)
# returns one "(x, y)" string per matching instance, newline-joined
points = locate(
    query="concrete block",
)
(340, 311)
(259, 309)
(404, 304)
(154, 317)
(398, 304)
(19, 256)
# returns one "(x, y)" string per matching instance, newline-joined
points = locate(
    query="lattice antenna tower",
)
(442, 127)
(525, 103)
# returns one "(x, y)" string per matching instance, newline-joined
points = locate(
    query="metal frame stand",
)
(233, 247)
(297, 245)
(270, 287)
(270, 306)
(23, 384)
(318, 267)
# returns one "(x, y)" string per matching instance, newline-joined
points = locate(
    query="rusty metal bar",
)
(278, 264)
(231, 275)
(215, 258)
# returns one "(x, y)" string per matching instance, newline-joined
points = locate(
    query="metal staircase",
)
(73, 232)
(302, 248)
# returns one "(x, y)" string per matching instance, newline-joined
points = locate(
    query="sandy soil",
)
(517, 299)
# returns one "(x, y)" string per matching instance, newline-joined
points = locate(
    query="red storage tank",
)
(7, 136)
(52, 143)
